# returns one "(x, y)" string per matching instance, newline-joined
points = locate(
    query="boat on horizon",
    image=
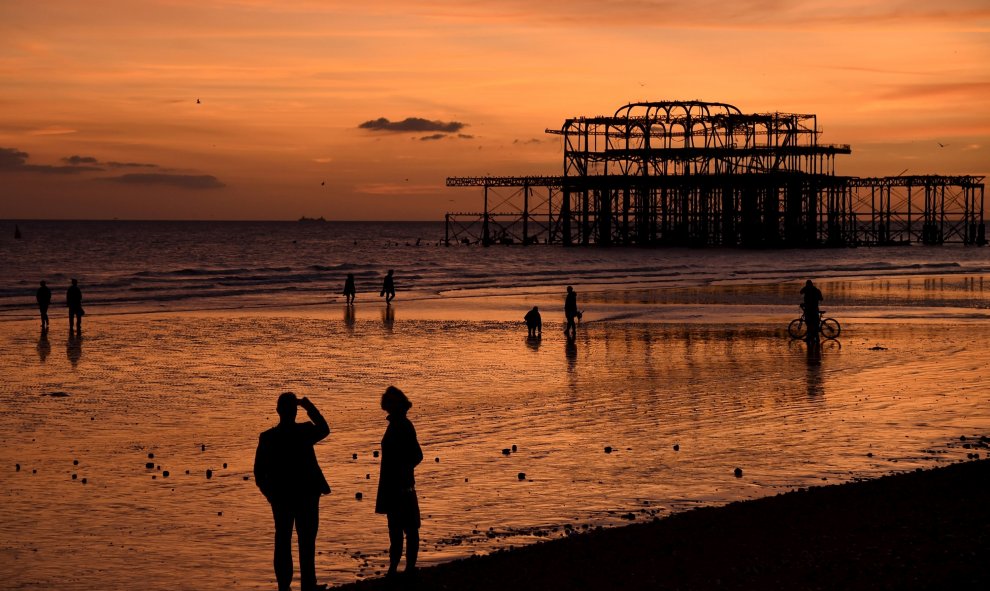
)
(319, 220)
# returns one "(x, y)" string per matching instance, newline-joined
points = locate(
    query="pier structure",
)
(692, 173)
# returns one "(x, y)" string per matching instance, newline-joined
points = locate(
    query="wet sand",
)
(917, 530)
(707, 370)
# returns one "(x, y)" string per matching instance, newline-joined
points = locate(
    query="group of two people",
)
(388, 288)
(289, 476)
(534, 321)
(73, 300)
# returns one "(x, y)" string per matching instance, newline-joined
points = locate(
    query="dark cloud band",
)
(184, 181)
(412, 125)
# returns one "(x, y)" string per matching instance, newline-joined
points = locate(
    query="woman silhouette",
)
(396, 485)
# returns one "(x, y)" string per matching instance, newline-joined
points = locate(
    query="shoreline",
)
(925, 529)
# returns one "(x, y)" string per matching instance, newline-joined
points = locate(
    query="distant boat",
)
(17, 232)
(319, 220)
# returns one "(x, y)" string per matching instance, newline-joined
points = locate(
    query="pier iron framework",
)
(692, 173)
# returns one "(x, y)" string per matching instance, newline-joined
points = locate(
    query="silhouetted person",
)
(388, 287)
(349, 290)
(73, 299)
(812, 299)
(534, 322)
(286, 471)
(571, 311)
(396, 485)
(44, 297)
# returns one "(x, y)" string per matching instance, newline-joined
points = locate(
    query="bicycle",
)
(827, 327)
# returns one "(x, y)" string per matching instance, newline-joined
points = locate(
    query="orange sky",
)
(284, 87)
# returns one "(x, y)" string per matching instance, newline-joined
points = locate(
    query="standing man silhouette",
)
(73, 299)
(388, 288)
(812, 299)
(286, 471)
(349, 290)
(571, 311)
(44, 297)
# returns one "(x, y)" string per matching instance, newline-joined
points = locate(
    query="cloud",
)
(77, 160)
(74, 160)
(52, 130)
(412, 125)
(435, 136)
(13, 160)
(183, 181)
(465, 136)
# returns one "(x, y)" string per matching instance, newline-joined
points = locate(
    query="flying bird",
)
(941, 145)
(323, 183)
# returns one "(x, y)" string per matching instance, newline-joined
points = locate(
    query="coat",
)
(401, 454)
(285, 465)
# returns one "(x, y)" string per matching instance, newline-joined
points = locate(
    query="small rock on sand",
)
(209, 473)
(358, 496)
(738, 472)
(521, 476)
(608, 449)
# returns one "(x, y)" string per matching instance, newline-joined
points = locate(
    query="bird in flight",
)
(323, 183)
(941, 145)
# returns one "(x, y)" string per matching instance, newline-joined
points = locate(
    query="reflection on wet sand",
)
(534, 343)
(349, 318)
(73, 347)
(44, 347)
(388, 318)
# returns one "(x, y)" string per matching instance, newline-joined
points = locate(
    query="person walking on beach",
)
(812, 298)
(349, 289)
(73, 300)
(286, 471)
(534, 322)
(571, 311)
(397, 499)
(44, 297)
(388, 288)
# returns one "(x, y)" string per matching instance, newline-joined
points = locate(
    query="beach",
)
(915, 530)
(127, 452)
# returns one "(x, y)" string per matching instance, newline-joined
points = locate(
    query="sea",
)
(126, 449)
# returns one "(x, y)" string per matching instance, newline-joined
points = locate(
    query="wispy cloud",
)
(14, 160)
(435, 136)
(412, 125)
(182, 181)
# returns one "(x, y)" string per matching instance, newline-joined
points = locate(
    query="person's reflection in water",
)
(534, 343)
(73, 347)
(349, 318)
(570, 351)
(44, 347)
(815, 379)
(388, 318)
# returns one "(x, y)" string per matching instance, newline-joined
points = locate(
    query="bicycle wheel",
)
(830, 328)
(797, 328)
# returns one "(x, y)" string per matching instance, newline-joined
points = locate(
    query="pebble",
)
(209, 473)
(869, 454)
(247, 478)
(84, 481)
(219, 513)
(738, 472)
(514, 449)
(225, 465)
(17, 467)
(437, 460)
(522, 476)
(367, 476)
(677, 447)
(150, 465)
(73, 476)
(151, 456)
(187, 471)
(358, 496)
(608, 449)
(506, 451)
(75, 462)
(202, 447)
(353, 456)
(165, 474)
(374, 453)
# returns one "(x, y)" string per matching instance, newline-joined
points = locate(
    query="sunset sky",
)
(382, 100)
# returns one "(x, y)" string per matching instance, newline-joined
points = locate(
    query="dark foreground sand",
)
(919, 530)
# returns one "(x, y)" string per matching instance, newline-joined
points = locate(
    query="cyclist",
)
(812, 297)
